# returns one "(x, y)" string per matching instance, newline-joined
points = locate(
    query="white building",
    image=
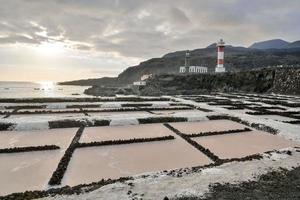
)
(145, 77)
(139, 83)
(182, 69)
(193, 69)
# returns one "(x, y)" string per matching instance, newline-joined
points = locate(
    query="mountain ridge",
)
(275, 44)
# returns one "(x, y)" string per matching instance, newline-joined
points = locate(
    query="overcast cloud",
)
(125, 32)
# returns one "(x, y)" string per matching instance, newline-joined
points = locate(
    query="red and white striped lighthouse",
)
(220, 62)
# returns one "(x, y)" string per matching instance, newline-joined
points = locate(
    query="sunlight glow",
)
(46, 84)
(51, 49)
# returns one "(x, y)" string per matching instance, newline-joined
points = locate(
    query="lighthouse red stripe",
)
(220, 49)
(220, 61)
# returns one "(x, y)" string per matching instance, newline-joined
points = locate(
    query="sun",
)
(51, 48)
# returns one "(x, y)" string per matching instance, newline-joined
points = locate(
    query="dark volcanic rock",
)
(287, 81)
(101, 91)
(5, 126)
(271, 186)
(279, 80)
(107, 91)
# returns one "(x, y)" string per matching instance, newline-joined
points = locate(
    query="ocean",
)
(12, 89)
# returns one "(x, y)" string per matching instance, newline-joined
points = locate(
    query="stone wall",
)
(287, 81)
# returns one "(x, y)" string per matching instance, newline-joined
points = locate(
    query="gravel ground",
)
(277, 185)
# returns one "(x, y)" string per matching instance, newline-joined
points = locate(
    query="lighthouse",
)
(187, 68)
(220, 62)
(187, 61)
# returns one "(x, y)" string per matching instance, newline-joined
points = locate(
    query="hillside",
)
(295, 44)
(278, 80)
(236, 59)
(107, 81)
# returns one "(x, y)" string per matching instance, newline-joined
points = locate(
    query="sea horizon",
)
(40, 89)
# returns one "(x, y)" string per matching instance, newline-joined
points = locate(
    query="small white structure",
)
(182, 69)
(140, 83)
(197, 69)
(193, 69)
(145, 77)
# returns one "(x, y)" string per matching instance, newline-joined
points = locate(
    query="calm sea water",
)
(10, 89)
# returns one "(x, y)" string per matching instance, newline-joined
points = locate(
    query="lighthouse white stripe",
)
(220, 55)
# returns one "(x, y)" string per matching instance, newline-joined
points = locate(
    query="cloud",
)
(143, 29)
(16, 38)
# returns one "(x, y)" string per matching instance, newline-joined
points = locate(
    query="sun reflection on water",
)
(46, 85)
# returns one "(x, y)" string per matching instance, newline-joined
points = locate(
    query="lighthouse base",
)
(220, 69)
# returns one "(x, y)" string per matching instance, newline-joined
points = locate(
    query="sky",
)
(59, 40)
